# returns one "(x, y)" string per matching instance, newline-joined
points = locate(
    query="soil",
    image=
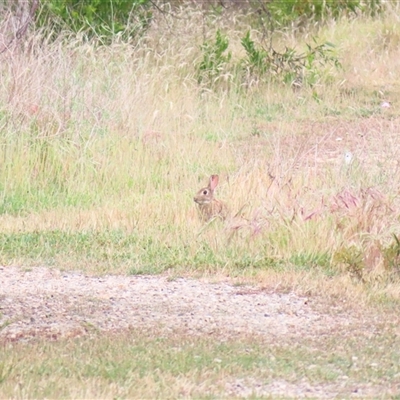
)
(47, 302)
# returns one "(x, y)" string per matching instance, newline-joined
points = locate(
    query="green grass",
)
(140, 365)
(120, 251)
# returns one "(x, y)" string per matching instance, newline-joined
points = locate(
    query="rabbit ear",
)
(213, 181)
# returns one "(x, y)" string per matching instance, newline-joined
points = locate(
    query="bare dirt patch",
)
(54, 304)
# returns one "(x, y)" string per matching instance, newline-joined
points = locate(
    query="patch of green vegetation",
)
(22, 202)
(96, 18)
(289, 67)
(131, 252)
(215, 57)
(307, 261)
(269, 112)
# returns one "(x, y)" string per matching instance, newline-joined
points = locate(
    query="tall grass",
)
(106, 146)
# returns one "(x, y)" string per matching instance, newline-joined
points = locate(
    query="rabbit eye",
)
(205, 192)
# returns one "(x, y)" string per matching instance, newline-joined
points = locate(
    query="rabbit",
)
(210, 207)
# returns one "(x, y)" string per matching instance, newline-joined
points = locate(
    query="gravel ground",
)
(50, 303)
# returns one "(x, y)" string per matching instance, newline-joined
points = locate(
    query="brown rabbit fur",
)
(210, 207)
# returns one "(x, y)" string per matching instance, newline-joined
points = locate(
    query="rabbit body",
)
(209, 207)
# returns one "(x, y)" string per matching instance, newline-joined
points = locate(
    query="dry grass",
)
(119, 138)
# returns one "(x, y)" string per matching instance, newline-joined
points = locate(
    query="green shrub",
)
(95, 18)
(287, 12)
(290, 66)
(215, 58)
